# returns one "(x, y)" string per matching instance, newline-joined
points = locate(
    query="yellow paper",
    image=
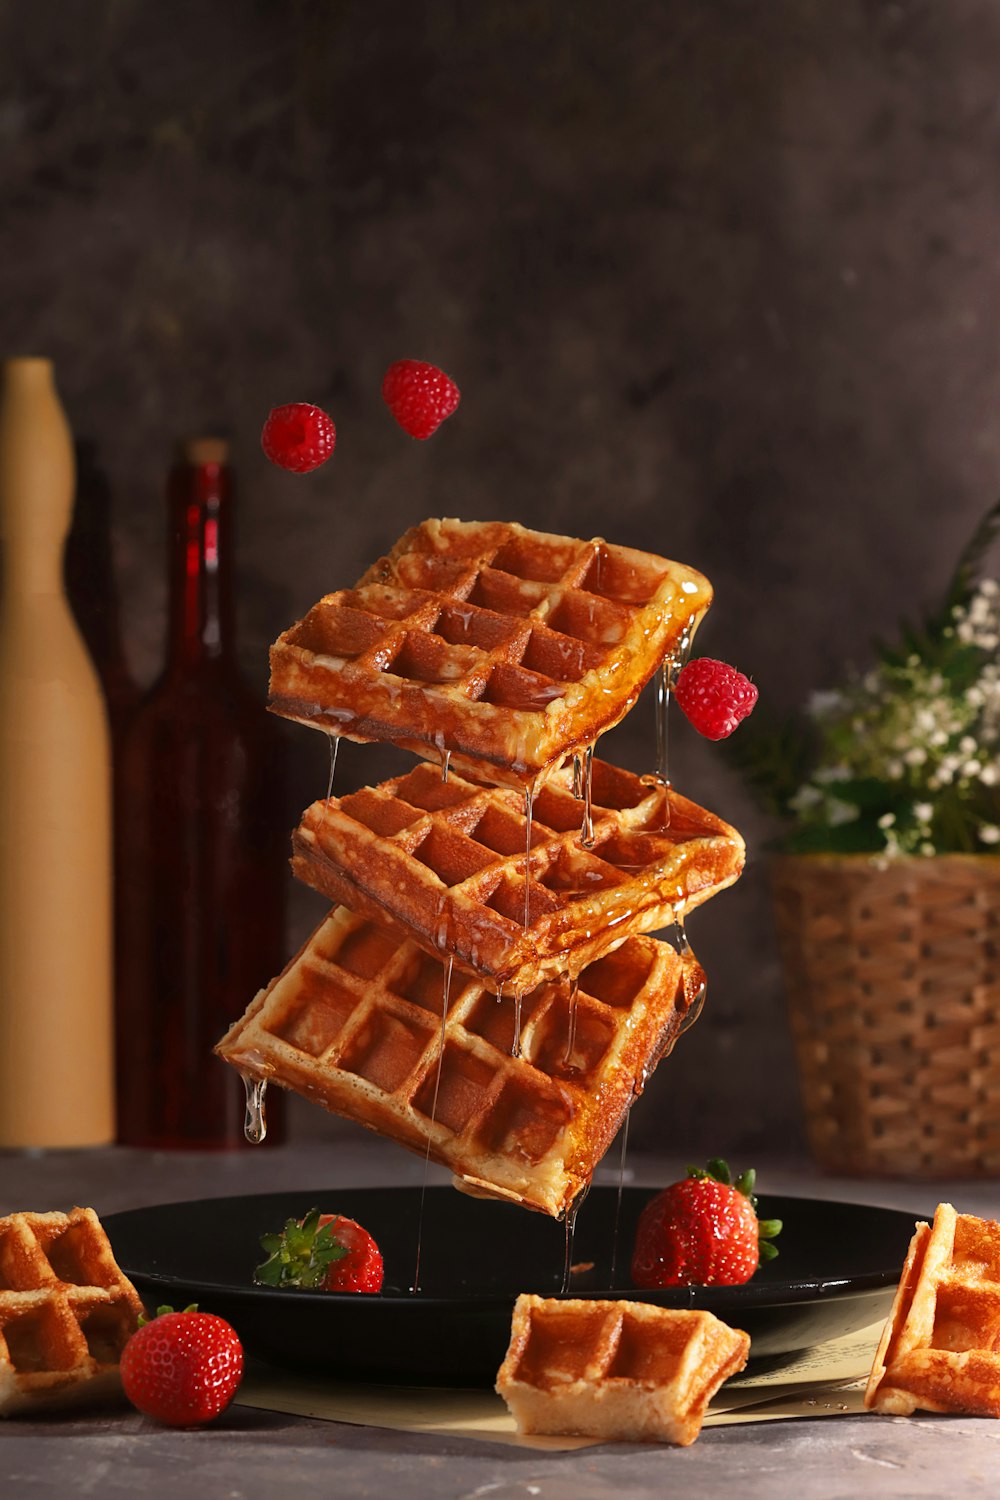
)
(827, 1380)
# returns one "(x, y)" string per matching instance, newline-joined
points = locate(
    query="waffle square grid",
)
(446, 860)
(615, 1369)
(940, 1349)
(66, 1310)
(355, 1024)
(506, 649)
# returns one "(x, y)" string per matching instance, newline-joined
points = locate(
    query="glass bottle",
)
(55, 799)
(203, 847)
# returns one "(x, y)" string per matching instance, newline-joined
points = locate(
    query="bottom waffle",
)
(940, 1349)
(620, 1370)
(66, 1311)
(520, 1099)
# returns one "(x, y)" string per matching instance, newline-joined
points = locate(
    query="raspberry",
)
(714, 697)
(299, 437)
(419, 396)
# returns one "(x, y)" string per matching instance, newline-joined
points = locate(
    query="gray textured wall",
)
(719, 280)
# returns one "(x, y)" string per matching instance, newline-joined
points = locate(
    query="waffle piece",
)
(446, 860)
(504, 648)
(66, 1311)
(619, 1370)
(940, 1348)
(355, 1024)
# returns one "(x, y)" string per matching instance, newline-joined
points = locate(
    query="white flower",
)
(887, 820)
(989, 833)
(923, 812)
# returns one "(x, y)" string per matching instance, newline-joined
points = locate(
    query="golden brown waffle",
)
(66, 1310)
(355, 1024)
(940, 1348)
(446, 859)
(504, 648)
(620, 1370)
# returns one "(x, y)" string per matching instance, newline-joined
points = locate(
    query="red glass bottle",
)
(203, 847)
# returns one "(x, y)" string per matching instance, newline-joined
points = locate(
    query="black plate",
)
(836, 1272)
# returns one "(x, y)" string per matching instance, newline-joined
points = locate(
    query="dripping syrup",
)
(445, 765)
(569, 1222)
(529, 803)
(577, 777)
(334, 747)
(571, 1021)
(618, 1199)
(446, 993)
(587, 830)
(255, 1122)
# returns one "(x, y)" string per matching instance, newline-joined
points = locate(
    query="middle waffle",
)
(463, 871)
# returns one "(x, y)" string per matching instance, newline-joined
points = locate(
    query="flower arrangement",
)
(903, 759)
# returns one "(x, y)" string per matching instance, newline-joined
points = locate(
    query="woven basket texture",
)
(893, 976)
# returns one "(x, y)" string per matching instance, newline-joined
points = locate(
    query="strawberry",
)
(182, 1368)
(298, 437)
(419, 395)
(716, 698)
(322, 1252)
(703, 1231)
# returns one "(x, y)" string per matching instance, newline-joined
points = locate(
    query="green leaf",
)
(745, 1182)
(719, 1169)
(768, 1228)
(300, 1255)
(768, 1251)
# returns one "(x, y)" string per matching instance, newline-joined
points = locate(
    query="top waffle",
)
(940, 1349)
(446, 860)
(505, 649)
(66, 1310)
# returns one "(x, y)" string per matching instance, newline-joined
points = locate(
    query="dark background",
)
(716, 280)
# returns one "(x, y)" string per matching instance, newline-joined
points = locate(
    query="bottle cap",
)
(205, 450)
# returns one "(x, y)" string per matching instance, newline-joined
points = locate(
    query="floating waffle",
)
(66, 1311)
(620, 1370)
(355, 1024)
(940, 1348)
(446, 860)
(503, 648)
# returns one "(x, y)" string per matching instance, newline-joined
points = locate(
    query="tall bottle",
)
(56, 1086)
(203, 856)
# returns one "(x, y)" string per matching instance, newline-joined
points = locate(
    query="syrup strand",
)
(577, 777)
(446, 992)
(515, 1046)
(587, 831)
(571, 1021)
(445, 764)
(529, 802)
(334, 747)
(618, 1200)
(569, 1220)
(255, 1122)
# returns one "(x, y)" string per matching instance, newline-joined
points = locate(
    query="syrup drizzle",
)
(446, 992)
(515, 1046)
(666, 681)
(569, 1221)
(618, 1200)
(571, 1021)
(334, 747)
(445, 764)
(577, 777)
(529, 802)
(255, 1121)
(587, 830)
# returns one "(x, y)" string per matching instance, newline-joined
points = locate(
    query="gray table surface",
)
(255, 1453)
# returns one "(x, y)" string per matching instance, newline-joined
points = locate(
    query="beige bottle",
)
(55, 799)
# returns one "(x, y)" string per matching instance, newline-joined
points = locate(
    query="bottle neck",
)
(201, 593)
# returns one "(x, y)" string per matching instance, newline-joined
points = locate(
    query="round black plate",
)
(838, 1267)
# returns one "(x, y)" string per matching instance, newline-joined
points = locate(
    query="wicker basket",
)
(894, 991)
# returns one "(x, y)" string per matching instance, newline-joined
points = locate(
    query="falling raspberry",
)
(420, 396)
(298, 437)
(714, 697)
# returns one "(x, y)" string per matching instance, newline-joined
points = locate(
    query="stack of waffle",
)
(484, 992)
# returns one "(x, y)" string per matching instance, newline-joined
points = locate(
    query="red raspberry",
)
(299, 437)
(714, 697)
(419, 396)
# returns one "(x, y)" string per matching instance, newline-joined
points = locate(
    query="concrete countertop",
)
(251, 1454)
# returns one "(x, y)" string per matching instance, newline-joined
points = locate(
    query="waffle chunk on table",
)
(66, 1311)
(356, 1023)
(446, 860)
(503, 648)
(619, 1370)
(940, 1348)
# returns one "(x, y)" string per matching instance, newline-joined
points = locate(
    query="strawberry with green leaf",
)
(322, 1252)
(703, 1231)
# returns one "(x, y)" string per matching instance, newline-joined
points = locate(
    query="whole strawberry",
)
(322, 1252)
(182, 1368)
(298, 437)
(716, 698)
(703, 1231)
(419, 395)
